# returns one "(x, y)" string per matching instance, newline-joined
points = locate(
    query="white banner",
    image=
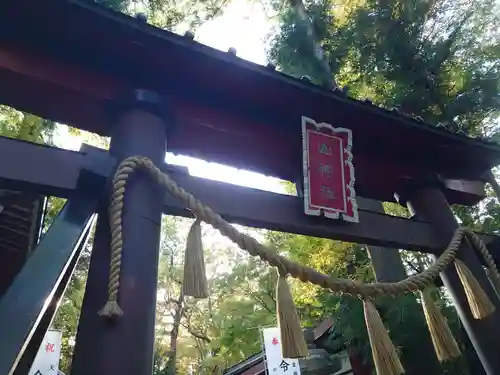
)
(47, 359)
(276, 364)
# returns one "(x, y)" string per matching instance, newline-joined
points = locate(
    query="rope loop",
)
(412, 283)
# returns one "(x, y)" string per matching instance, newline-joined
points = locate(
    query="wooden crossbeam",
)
(50, 170)
(284, 213)
(56, 172)
(46, 170)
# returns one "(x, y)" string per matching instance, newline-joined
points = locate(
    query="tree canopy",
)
(169, 14)
(438, 59)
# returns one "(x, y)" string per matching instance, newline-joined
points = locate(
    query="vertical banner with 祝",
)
(47, 359)
(328, 171)
(276, 364)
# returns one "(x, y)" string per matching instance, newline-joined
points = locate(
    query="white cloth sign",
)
(276, 364)
(47, 359)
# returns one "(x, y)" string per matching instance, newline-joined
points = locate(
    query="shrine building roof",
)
(63, 59)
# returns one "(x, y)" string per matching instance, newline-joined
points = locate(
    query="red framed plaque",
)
(328, 171)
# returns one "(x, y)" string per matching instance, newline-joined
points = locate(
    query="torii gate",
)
(208, 104)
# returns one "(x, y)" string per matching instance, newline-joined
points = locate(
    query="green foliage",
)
(186, 14)
(169, 14)
(119, 5)
(66, 319)
(206, 336)
(24, 126)
(439, 60)
(338, 259)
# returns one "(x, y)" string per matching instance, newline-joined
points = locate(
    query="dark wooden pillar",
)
(126, 345)
(430, 204)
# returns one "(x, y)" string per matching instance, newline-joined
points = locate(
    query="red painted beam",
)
(37, 66)
(68, 94)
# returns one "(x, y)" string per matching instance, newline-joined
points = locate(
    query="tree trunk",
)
(319, 54)
(174, 334)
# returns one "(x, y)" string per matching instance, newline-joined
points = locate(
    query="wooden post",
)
(126, 345)
(469, 352)
(430, 204)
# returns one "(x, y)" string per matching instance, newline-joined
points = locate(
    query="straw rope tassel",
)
(384, 353)
(479, 303)
(444, 343)
(293, 343)
(195, 277)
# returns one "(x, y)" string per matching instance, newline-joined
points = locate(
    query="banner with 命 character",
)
(275, 363)
(328, 171)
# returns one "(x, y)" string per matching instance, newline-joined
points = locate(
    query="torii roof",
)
(74, 56)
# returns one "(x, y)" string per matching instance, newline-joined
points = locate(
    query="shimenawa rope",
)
(417, 282)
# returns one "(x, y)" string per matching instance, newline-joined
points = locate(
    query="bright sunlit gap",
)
(196, 167)
(243, 25)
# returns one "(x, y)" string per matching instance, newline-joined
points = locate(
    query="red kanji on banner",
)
(275, 341)
(49, 348)
(328, 171)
